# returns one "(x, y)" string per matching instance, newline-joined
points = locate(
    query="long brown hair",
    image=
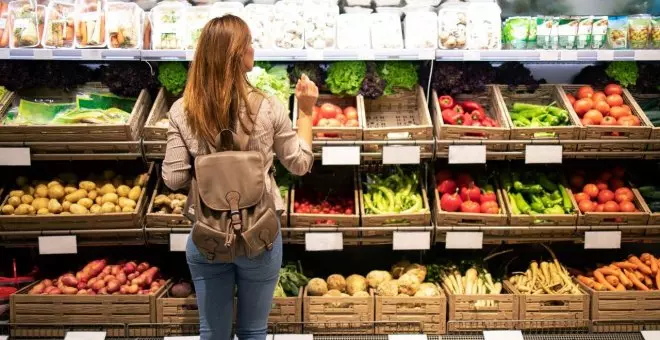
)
(217, 84)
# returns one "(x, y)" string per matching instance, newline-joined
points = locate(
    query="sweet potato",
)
(98, 285)
(37, 289)
(69, 290)
(142, 267)
(113, 286)
(130, 267)
(69, 280)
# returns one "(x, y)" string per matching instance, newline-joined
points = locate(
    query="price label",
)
(4, 337)
(411, 240)
(426, 54)
(366, 55)
(568, 55)
(467, 154)
(190, 55)
(647, 54)
(314, 55)
(340, 155)
(543, 154)
(42, 54)
(393, 154)
(178, 242)
(293, 337)
(196, 337)
(324, 241)
(91, 54)
(471, 55)
(503, 335)
(4, 54)
(51, 245)
(605, 55)
(407, 337)
(602, 240)
(15, 156)
(85, 336)
(651, 335)
(548, 55)
(464, 240)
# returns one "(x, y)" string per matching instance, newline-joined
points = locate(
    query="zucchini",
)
(647, 189)
(653, 196)
(654, 206)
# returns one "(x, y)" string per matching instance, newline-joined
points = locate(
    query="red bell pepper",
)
(476, 123)
(458, 109)
(446, 102)
(467, 119)
(450, 116)
(478, 115)
(470, 106)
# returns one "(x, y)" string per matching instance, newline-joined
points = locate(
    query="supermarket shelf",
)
(85, 238)
(70, 54)
(547, 55)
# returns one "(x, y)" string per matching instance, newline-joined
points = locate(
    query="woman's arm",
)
(307, 93)
(176, 165)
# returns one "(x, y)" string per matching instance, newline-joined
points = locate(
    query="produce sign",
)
(635, 273)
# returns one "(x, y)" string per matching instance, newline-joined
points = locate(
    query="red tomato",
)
(333, 122)
(488, 197)
(577, 181)
(609, 121)
(338, 110)
(571, 98)
(447, 186)
(614, 100)
(602, 106)
(316, 115)
(450, 202)
(623, 194)
(598, 96)
(471, 193)
(605, 196)
(470, 207)
(600, 208)
(628, 121)
(582, 106)
(489, 207)
(591, 190)
(464, 179)
(627, 206)
(341, 118)
(580, 196)
(618, 112)
(611, 206)
(594, 115)
(351, 113)
(352, 123)
(585, 92)
(616, 183)
(602, 185)
(586, 206)
(627, 108)
(586, 121)
(328, 111)
(613, 89)
(442, 175)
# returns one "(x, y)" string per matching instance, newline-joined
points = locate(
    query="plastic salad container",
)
(452, 25)
(321, 26)
(568, 31)
(90, 23)
(124, 23)
(58, 28)
(24, 24)
(421, 30)
(639, 30)
(546, 32)
(289, 26)
(353, 31)
(260, 19)
(4, 24)
(655, 32)
(386, 31)
(617, 32)
(168, 26)
(585, 27)
(515, 32)
(484, 25)
(196, 18)
(599, 32)
(219, 9)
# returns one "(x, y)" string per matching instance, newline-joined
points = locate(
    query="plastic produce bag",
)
(59, 27)
(617, 32)
(196, 18)
(353, 31)
(124, 25)
(24, 24)
(421, 30)
(168, 26)
(289, 26)
(220, 9)
(386, 31)
(4, 24)
(452, 25)
(90, 24)
(260, 19)
(639, 31)
(484, 25)
(321, 26)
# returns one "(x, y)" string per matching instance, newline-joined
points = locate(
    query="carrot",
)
(640, 265)
(620, 287)
(657, 281)
(69, 32)
(647, 281)
(613, 280)
(625, 281)
(638, 284)
(4, 39)
(146, 44)
(638, 275)
(645, 257)
(653, 265)
(589, 282)
(608, 271)
(626, 265)
(601, 279)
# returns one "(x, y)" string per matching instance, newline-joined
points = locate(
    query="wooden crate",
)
(606, 132)
(159, 110)
(654, 217)
(154, 219)
(335, 133)
(610, 311)
(544, 223)
(403, 116)
(431, 312)
(616, 218)
(465, 316)
(286, 314)
(338, 315)
(448, 218)
(81, 309)
(130, 131)
(88, 221)
(544, 95)
(564, 310)
(655, 130)
(493, 109)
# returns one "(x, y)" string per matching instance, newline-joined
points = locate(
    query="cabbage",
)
(274, 82)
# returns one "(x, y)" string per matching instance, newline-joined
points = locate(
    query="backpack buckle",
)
(233, 198)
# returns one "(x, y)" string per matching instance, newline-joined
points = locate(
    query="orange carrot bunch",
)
(635, 273)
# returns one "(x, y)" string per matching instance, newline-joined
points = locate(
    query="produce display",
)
(323, 206)
(173, 77)
(172, 203)
(273, 81)
(473, 281)
(531, 115)
(405, 279)
(452, 25)
(100, 278)
(291, 281)
(467, 113)
(603, 107)
(396, 193)
(651, 195)
(634, 273)
(608, 193)
(331, 116)
(459, 192)
(67, 195)
(536, 193)
(545, 278)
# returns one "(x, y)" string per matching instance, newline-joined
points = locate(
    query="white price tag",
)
(366, 55)
(42, 54)
(314, 55)
(464, 240)
(4, 337)
(426, 54)
(407, 337)
(605, 55)
(602, 240)
(651, 335)
(503, 335)
(293, 337)
(4, 54)
(546, 55)
(467, 154)
(543, 154)
(15, 156)
(568, 55)
(471, 55)
(84, 336)
(91, 54)
(340, 155)
(647, 54)
(195, 337)
(50, 245)
(324, 241)
(394, 154)
(178, 242)
(190, 55)
(411, 240)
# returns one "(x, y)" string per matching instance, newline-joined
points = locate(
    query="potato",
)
(54, 206)
(56, 191)
(21, 181)
(70, 189)
(126, 202)
(23, 209)
(41, 191)
(98, 200)
(28, 190)
(180, 197)
(76, 196)
(66, 205)
(7, 209)
(78, 209)
(65, 213)
(40, 203)
(95, 209)
(87, 185)
(117, 209)
(92, 194)
(14, 201)
(123, 190)
(162, 200)
(86, 202)
(16, 193)
(108, 207)
(110, 197)
(107, 188)
(134, 194)
(43, 211)
(27, 199)
(53, 183)
(127, 209)
(140, 180)
(31, 210)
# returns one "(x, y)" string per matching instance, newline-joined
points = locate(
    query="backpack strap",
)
(241, 139)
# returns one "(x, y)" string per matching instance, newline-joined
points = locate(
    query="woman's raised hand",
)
(307, 93)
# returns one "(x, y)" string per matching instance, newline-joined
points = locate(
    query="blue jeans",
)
(214, 285)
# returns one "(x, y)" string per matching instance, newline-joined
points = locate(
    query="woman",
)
(214, 99)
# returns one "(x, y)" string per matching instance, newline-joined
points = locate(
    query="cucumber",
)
(654, 206)
(647, 189)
